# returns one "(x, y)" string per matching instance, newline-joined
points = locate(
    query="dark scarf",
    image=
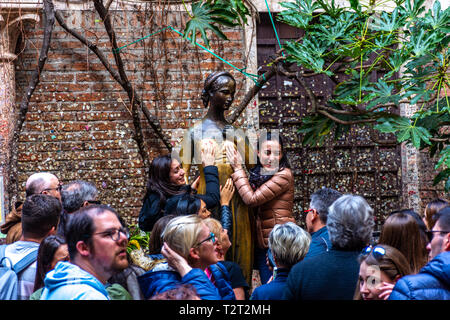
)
(257, 179)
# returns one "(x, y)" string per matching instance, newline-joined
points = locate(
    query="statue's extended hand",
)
(233, 156)
(226, 192)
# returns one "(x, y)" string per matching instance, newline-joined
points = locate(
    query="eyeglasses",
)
(114, 234)
(59, 187)
(211, 237)
(376, 251)
(430, 233)
(94, 201)
(306, 211)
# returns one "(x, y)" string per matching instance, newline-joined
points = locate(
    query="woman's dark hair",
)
(256, 179)
(155, 242)
(418, 219)
(432, 208)
(46, 253)
(159, 181)
(189, 203)
(210, 84)
(401, 231)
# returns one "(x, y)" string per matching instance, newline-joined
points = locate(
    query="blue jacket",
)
(151, 209)
(163, 278)
(273, 290)
(222, 281)
(431, 283)
(69, 282)
(320, 242)
(226, 217)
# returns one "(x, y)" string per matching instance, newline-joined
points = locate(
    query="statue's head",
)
(221, 82)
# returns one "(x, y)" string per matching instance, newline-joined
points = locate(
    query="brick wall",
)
(79, 125)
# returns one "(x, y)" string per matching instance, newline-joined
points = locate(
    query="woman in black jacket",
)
(167, 186)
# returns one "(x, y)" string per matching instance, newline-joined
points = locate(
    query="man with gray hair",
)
(38, 183)
(332, 275)
(74, 196)
(316, 220)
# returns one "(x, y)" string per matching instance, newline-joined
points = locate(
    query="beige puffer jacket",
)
(274, 199)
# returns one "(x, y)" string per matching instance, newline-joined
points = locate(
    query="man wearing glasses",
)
(37, 183)
(43, 183)
(75, 195)
(433, 280)
(97, 244)
(316, 220)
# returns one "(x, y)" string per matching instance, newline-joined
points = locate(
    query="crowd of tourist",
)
(207, 237)
(63, 244)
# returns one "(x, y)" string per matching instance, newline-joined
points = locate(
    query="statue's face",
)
(222, 95)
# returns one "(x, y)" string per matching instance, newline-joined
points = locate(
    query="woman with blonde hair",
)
(189, 248)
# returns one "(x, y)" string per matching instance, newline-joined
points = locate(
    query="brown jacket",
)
(13, 224)
(274, 199)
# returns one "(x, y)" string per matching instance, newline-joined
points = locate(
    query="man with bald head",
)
(38, 183)
(43, 183)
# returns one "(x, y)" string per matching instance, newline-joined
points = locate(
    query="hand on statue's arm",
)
(176, 261)
(233, 156)
(208, 153)
(226, 192)
(195, 184)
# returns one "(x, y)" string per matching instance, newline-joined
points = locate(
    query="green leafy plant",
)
(211, 14)
(138, 239)
(390, 53)
(407, 48)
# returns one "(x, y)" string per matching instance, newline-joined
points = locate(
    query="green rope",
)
(253, 77)
(273, 25)
(150, 35)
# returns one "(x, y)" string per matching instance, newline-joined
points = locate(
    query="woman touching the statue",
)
(167, 185)
(217, 96)
(269, 188)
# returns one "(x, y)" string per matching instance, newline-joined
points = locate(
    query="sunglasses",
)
(211, 237)
(430, 233)
(376, 251)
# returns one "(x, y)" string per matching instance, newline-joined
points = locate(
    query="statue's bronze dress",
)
(241, 236)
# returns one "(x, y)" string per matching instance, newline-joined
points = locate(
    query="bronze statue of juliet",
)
(218, 95)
